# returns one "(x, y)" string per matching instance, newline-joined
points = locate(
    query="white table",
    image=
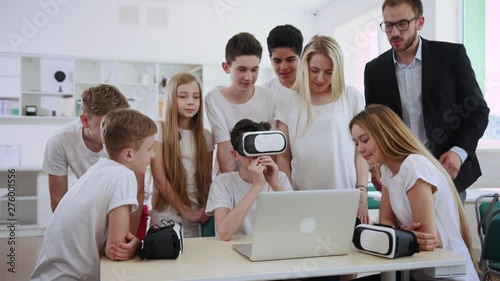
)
(472, 193)
(212, 259)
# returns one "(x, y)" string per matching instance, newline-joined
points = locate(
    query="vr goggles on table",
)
(163, 242)
(385, 241)
(260, 143)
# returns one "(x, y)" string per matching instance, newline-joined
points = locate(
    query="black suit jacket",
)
(455, 113)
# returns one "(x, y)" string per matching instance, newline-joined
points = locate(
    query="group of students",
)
(332, 142)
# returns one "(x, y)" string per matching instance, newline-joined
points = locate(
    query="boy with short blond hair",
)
(93, 217)
(78, 146)
(242, 99)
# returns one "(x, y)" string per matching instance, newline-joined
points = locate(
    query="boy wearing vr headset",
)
(232, 195)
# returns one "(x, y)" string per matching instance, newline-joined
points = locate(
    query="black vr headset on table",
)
(163, 242)
(260, 143)
(385, 241)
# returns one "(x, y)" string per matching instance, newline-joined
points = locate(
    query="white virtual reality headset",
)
(385, 241)
(260, 143)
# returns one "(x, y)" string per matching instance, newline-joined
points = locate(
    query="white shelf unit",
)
(32, 201)
(30, 212)
(28, 80)
(35, 120)
(135, 79)
(10, 84)
(39, 87)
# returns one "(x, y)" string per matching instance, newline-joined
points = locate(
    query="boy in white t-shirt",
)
(93, 217)
(232, 195)
(242, 99)
(78, 146)
(284, 44)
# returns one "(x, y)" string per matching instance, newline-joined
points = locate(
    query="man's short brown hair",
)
(125, 128)
(101, 99)
(416, 5)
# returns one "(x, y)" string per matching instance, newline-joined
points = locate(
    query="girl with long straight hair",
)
(417, 192)
(182, 169)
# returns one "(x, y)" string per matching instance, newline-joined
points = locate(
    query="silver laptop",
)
(298, 224)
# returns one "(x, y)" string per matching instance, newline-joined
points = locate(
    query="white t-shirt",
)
(416, 167)
(276, 86)
(77, 231)
(223, 115)
(66, 148)
(323, 155)
(227, 191)
(188, 148)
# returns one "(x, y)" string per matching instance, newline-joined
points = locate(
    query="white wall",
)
(196, 31)
(489, 159)
(449, 27)
(341, 10)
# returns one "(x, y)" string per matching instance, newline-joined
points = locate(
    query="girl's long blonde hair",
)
(174, 169)
(395, 140)
(329, 47)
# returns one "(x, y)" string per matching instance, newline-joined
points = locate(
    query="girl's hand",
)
(199, 215)
(427, 241)
(363, 209)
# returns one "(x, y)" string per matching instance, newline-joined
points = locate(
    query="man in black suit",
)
(432, 87)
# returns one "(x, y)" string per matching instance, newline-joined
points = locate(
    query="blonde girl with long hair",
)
(417, 192)
(315, 119)
(182, 168)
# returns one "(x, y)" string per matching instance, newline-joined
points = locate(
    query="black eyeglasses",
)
(401, 25)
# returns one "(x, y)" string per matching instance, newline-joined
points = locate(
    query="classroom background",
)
(162, 36)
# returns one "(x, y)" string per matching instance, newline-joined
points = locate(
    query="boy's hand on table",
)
(125, 251)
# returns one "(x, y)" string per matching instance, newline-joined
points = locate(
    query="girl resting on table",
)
(417, 193)
(182, 169)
